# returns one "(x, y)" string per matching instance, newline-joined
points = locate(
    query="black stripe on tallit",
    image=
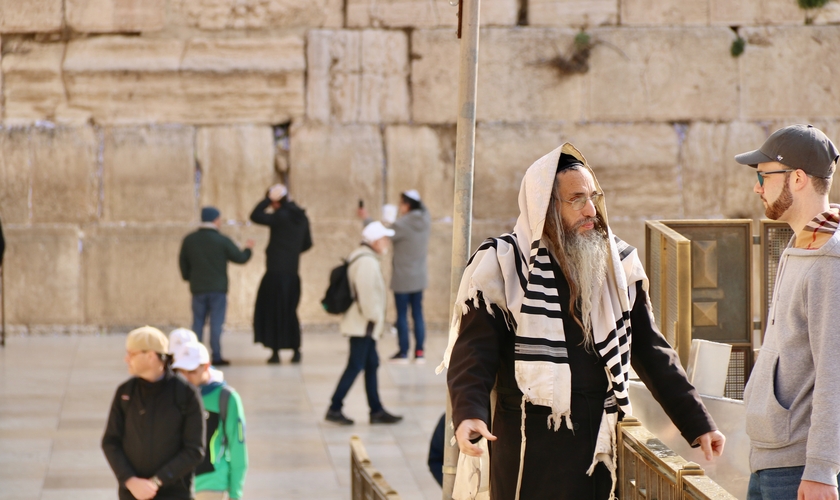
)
(540, 357)
(535, 295)
(537, 279)
(541, 311)
(624, 248)
(488, 243)
(509, 238)
(542, 265)
(540, 341)
(535, 244)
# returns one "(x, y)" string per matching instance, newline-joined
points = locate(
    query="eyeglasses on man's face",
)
(761, 174)
(578, 202)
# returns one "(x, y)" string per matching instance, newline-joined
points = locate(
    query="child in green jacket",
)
(226, 459)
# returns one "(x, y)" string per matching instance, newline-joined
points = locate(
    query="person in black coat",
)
(276, 323)
(154, 438)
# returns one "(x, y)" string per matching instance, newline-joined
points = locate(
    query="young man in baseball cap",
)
(792, 399)
(223, 470)
(155, 433)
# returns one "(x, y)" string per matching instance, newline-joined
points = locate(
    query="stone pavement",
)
(55, 392)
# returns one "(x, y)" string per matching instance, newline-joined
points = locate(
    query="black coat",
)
(289, 235)
(156, 429)
(555, 462)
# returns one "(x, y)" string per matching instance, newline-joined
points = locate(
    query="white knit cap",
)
(277, 192)
(178, 337)
(191, 356)
(376, 231)
(413, 194)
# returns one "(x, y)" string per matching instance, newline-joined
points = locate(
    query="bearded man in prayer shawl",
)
(551, 317)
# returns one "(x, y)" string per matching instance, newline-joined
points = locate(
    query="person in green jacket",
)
(203, 260)
(226, 461)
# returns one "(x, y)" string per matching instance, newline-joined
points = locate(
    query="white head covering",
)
(413, 194)
(376, 231)
(277, 192)
(191, 356)
(178, 337)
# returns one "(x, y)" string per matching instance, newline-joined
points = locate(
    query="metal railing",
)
(367, 483)
(647, 469)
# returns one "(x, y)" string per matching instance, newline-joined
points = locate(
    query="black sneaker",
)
(221, 362)
(419, 358)
(383, 417)
(399, 359)
(274, 359)
(337, 417)
(296, 357)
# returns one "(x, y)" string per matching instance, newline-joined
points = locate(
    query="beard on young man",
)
(775, 210)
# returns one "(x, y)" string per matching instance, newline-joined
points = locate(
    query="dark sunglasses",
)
(761, 175)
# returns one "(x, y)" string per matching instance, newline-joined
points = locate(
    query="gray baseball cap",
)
(802, 147)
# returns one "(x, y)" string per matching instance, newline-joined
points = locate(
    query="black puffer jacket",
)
(156, 429)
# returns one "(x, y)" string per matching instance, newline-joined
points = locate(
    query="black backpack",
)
(339, 297)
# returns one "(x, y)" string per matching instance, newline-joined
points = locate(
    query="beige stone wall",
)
(121, 118)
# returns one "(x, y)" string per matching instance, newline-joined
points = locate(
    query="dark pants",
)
(776, 484)
(212, 304)
(363, 356)
(402, 301)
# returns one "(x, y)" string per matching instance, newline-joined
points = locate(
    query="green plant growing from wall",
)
(810, 6)
(737, 47)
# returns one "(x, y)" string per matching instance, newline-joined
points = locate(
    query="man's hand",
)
(812, 490)
(142, 489)
(471, 429)
(712, 444)
(249, 244)
(362, 213)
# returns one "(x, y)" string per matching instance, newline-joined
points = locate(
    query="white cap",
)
(413, 194)
(277, 192)
(376, 231)
(178, 337)
(191, 356)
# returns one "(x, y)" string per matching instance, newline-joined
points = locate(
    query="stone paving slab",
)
(55, 392)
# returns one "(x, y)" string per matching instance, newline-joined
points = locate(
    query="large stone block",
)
(753, 12)
(332, 240)
(65, 185)
(663, 74)
(32, 84)
(245, 279)
(134, 80)
(110, 16)
(809, 84)
(15, 175)
(578, 13)
(516, 82)
(663, 12)
(424, 13)
(422, 158)
(42, 272)
(357, 76)
(30, 16)
(149, 174)
(237, 166)
(504, 152)
(714, 185)
(333, 166)
(132, 277)
(218, 15)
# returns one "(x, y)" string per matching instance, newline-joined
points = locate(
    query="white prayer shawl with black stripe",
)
(514, 273)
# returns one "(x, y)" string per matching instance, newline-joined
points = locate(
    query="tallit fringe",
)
(521, 450)
(608, 456)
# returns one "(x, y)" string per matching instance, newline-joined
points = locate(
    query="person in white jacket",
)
(363, 323)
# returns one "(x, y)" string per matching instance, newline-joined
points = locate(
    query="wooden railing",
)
(648, 470)
(366, 482)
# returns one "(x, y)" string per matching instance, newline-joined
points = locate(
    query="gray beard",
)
(587, 262)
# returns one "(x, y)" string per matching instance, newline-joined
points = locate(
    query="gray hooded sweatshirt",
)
(793, 396)
(411, 244)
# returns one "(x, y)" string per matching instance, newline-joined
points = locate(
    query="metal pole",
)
(462, 212)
